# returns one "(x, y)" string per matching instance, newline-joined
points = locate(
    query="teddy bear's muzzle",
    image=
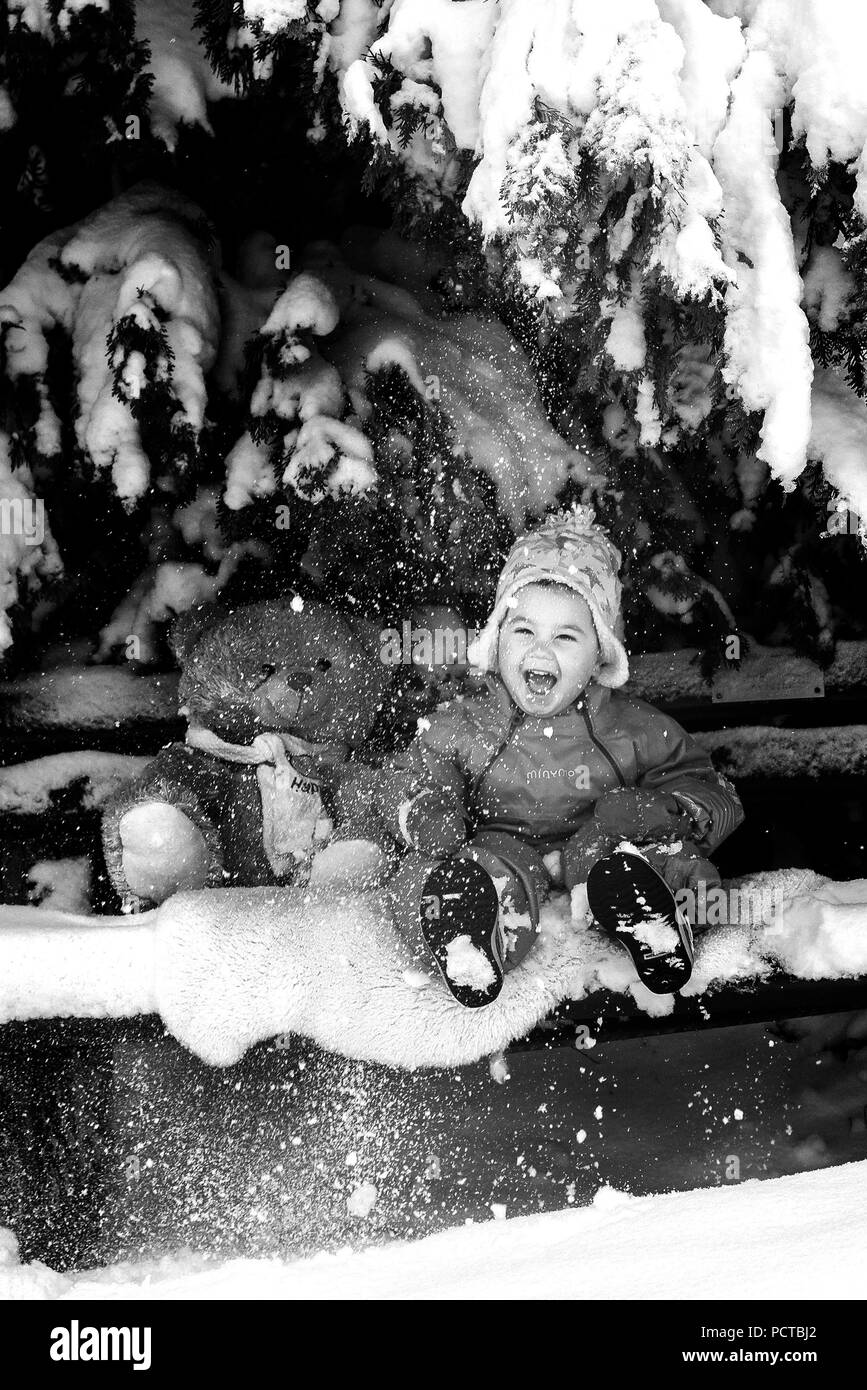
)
(279, 699)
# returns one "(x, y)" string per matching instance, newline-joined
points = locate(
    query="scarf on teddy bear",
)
(294, 819)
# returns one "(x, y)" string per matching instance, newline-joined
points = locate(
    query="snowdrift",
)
(232, 967)
(737, 1242)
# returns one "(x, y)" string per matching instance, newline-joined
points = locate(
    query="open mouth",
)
(538, 682)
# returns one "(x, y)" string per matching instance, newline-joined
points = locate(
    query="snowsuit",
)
(526, 786)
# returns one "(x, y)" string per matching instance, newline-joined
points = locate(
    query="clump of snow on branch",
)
(838, 440)
(818, 49)
(37, 14)
(611, 74)
(828, 287)
(680, 102)
(315, 398)
(184, 81)
(296, 407)
(767, 350)
(439, 50)
(479, 375)
(134, 276)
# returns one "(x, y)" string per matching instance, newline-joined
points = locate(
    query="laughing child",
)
(540, 776)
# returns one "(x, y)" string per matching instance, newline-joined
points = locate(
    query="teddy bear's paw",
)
(163, 851)
(349, 864)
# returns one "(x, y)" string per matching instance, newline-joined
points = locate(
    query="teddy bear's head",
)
(286, 665)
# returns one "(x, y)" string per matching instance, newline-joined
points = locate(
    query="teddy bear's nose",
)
(283, 693)
(300, 681)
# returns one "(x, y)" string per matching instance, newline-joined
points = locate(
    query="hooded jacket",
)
(540, 778)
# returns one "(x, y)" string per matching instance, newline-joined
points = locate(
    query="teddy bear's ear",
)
(188, 628)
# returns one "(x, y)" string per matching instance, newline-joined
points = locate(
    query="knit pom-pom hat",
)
(572, 550)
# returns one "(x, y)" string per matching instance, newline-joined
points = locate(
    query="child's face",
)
(548, 649)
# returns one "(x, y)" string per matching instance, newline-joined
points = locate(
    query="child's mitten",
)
(639, 815)
(357, 864)
(685, 867)
(433, 823)
(582, 850)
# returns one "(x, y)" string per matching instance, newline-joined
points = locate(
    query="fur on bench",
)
(227, 968)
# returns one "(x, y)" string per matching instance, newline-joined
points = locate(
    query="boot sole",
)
(625, 892)
(459, 899)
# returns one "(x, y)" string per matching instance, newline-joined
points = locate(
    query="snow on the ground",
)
(802, 1236)
(28, 788)
(820, 934)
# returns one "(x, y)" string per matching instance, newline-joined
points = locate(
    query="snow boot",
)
(459, 916)
(633, 904)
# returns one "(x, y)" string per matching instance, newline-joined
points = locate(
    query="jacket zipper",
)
(514, 720)
(602, 749)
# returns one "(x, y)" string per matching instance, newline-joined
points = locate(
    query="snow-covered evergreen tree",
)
(674, 191)
(655, 207)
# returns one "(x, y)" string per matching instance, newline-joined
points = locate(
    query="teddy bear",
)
(279, 696)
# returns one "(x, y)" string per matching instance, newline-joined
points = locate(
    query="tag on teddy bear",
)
(291, 810)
